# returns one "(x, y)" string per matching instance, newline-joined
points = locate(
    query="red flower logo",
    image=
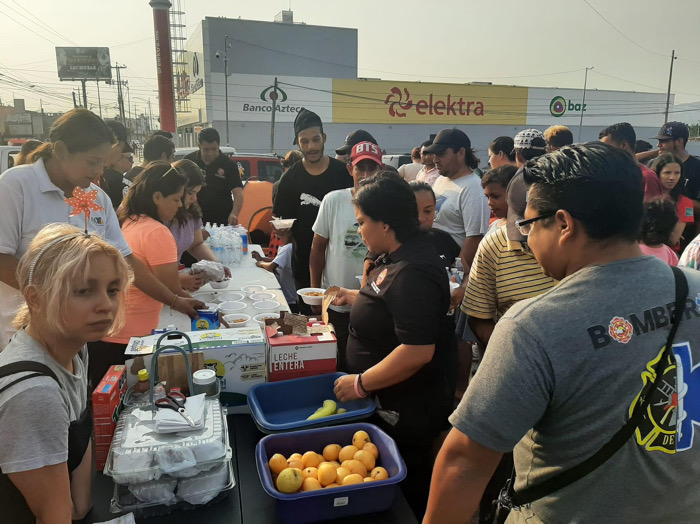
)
(405, 105)
(621, 330)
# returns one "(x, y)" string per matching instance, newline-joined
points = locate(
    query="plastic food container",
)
(282, 223)
(237, 320)
(138, 454)
(226, 308)
(267, 305)
(313, 299)
(260, 319)
(253, 289)
(262, 295)
(222, 284)
(170, 494)
(205, 297)
(282, 406)
(230, 296)
(331, 503)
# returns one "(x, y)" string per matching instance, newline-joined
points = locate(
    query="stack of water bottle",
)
(228, 243)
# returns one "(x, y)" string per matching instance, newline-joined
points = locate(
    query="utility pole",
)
(227, 45)
(274, 111)
(150, 116)
(75, 102)
(84, 95)
(120, 97)
(668, 93)
(583, 103)
(99, 98)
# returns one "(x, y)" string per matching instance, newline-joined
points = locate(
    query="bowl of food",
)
(221, 284)
(230, 296)
(236, 320)
(267, 305)
(282, 223)
(263, 295)
(248, 290)
(312, 296)
(226, 308)
(262, 317)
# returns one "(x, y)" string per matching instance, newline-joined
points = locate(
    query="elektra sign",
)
(400, 103)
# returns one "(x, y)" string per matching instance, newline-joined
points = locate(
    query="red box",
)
(110, 392)
(295, 356)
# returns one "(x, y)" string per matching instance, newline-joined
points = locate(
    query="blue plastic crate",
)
(284, 406)
(331, 503)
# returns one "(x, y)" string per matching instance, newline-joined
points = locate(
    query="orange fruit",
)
(277, 463)
(340, 474)
(366, 458)
(294, 463)
(360, 438)
(330, 452)
(372, 449)
(310, 459)
(310, 484)
(355, 466)
(333, 485)
(347, 453)
(379, 473)
(295, 456)
(354, 478)
(310, 472)
(367, 479)
(326, 474)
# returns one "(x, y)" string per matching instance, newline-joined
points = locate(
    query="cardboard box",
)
(237, 355)
(106, 406)
(291, 354)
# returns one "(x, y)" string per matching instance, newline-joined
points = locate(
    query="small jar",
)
(205, 381)
(144, 383)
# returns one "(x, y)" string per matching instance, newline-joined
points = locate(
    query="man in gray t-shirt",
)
(562, 371)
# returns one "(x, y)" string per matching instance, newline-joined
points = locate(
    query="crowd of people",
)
(569, 296)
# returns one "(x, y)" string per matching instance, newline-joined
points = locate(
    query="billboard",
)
(83, 63)
(389, 102)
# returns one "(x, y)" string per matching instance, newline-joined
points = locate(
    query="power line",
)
(29, 28)
(36, 19)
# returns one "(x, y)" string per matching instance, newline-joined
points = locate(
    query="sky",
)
(544, 43)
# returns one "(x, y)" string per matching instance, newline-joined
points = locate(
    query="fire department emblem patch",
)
(620, 330)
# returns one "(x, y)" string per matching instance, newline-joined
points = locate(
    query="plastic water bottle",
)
(236, 248)
(244, 238)
(217, 248)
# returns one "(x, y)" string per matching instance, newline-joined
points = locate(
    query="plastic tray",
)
(344, 501)
(284, 406)
(124, 500)
(138, 454)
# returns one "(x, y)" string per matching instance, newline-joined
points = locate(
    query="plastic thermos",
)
(205, 381)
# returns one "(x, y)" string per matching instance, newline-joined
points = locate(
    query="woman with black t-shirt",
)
(398, 348)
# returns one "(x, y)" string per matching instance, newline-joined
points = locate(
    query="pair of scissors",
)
(176, 402)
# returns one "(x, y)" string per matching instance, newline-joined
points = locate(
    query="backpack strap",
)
(569, 476)
(36, 369)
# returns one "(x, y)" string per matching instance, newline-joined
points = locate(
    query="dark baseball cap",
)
(673, 131)
(120, 132)
(355, 138)
(304, 120)
(516, 196)
(453, 138)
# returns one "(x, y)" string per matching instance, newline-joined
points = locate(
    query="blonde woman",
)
(73, 285)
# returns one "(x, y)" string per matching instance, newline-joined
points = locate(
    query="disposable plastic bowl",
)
(284, 406)
(312, 300)
(282, 223)
(226, 308)
(260, 319)
(267, 305)
(263, 295)
(252, 289)
(331, 503)
(230, 296)
(223, 284)
(237, 320)
(205, 297)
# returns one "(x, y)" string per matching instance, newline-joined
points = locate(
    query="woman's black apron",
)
(13, 507)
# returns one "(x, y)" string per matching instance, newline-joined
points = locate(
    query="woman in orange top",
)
(153, 199)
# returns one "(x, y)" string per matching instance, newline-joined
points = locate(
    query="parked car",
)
(252, 166)
(7, 157)
(397, 159)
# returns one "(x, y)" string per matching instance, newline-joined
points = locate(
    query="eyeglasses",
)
(525, 226)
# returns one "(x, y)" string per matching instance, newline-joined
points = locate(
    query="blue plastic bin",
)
(284, 406)
(331, 503)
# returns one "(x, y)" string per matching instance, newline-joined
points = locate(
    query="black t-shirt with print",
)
(691, 172)
(405, 301)
(299, 196)
(221, 177)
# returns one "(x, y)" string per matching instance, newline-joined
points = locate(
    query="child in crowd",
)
(660, 229)
(74, 286)
(495, 182)
(281, 266)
